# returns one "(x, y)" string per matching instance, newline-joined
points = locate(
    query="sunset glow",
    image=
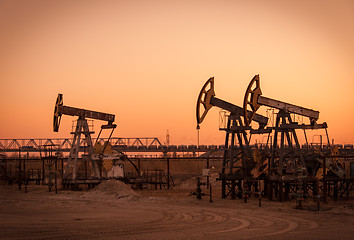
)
(146, 61)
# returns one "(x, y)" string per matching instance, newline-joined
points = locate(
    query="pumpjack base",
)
(75, 184)
(236, 186)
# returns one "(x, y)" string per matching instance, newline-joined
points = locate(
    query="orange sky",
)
(146, 61)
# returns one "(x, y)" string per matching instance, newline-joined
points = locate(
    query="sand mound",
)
(111, 189)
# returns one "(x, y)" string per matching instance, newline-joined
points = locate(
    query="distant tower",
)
(167, 138)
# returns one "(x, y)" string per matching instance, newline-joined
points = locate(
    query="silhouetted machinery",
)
(237, 161)
(289, 157)
(288, 161)
(82, 128)
(283, 160)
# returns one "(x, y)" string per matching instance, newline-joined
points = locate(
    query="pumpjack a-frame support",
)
(237, 159)
(290, 156)
(82, 128)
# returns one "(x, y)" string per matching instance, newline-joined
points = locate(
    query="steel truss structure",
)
(145, 144)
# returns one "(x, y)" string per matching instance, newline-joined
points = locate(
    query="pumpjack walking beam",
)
(81, 128)
(237, 162)
(254, 99)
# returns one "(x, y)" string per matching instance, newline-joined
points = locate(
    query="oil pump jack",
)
(287, 150)
(288, 162)
(237, 159)
(82, 128)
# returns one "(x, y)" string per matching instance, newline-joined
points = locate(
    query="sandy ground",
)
(172, 214)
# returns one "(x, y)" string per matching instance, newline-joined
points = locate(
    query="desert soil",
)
(113, 211)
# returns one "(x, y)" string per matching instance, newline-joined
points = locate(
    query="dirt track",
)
(164, 215)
